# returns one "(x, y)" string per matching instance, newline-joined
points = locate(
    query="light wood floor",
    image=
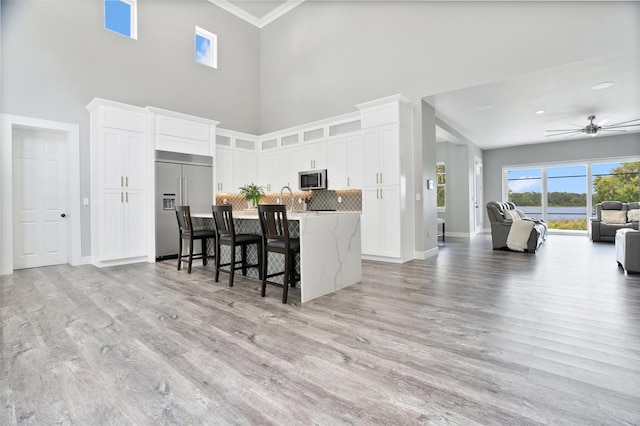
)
(473, 336)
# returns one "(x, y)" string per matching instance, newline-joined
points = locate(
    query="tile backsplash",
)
(347, 200)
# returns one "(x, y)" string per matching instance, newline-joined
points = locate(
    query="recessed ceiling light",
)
(540, 111)
(603, 85)
(483, 107)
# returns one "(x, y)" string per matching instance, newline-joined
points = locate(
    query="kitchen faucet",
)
(291, 196)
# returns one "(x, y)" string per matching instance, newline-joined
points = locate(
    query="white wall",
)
(322, 58)
(57, 56)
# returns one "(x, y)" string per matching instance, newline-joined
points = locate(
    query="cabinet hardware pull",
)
(121, 181)
(381, 193)
(380, 177)
(126, 181)
(348, 184)
(126, 194)
(121, 197)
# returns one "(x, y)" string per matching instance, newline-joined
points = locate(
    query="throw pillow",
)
(614, 217)
(633, 215)
(511, 214)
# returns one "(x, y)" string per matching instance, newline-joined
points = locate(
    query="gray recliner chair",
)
(500, 227)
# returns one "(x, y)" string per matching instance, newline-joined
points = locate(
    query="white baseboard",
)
(382, 258)
(103, 264)
(84, 260)
(457, 235)
(423, 255)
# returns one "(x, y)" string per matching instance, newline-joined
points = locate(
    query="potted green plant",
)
(252, 194)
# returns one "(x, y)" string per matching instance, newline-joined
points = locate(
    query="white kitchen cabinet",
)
(382, 156)
(122, 214)
(121, 167)
(289, 168)
(381, 231)
(345, 163)
(244, 169)
(313, 156)
(224, 177)
(177, 132)
(269, 171)
(117, 154)
(337, 164)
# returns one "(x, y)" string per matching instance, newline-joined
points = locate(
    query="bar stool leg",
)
(232, 266)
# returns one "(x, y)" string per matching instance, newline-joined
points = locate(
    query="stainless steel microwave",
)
(312, 179)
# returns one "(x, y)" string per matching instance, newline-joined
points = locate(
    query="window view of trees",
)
(567, 193)
(441, 185)
(525, 190)
(616, 183)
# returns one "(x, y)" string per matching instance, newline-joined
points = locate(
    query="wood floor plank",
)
(472, 336)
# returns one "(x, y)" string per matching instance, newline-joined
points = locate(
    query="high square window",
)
(206, 48)
(121, 16)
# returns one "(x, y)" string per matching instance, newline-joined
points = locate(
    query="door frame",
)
(72, 132)
(478, 227)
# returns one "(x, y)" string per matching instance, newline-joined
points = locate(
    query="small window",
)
(206, 48)
(441, 179)
(121, 16)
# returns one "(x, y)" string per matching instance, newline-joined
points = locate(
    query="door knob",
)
(63, 215)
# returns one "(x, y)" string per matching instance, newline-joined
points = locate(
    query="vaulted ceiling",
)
(508, 112)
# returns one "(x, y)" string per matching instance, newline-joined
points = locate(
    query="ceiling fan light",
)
(603, 85)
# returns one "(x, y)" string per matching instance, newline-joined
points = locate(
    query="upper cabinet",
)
(176, 132)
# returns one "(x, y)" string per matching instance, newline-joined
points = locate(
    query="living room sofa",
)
(501, 216)
(611, 216)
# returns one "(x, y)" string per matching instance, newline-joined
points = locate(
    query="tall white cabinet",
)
(121, 160)
(387, 147)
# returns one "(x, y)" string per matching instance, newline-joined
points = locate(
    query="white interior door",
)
(40, 198)
(477, 195)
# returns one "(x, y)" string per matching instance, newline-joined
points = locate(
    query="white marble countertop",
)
(253, 214)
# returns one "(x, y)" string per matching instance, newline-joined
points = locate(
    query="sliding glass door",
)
(565, 195)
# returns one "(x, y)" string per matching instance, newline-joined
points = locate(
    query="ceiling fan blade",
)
(623, 122)
(577, 125)
(565, 132)
(603, 122)
(615, 126)
(571, 134)
(613, 130)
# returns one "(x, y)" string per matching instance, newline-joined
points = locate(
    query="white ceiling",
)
(503, 113)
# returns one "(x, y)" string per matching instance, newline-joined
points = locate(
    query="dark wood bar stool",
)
(185, 226)
(275, 238)
(226, 235)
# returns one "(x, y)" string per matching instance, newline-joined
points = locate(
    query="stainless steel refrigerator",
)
(181, 180)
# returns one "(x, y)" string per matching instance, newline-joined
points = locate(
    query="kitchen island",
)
(330, 248)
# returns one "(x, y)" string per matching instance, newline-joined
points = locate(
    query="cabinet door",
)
(390, 221)
(111, 224)
(289, 168)
(355, 162)
(269, 170)
(337, 155)
(372, 236)
(135, 224)
(389, 155)
(371, 150)
(244, 169)
(136, 168)
(110, 154)
(320, 155)
(223, 170)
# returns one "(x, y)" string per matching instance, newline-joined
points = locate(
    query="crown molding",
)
(258, 22)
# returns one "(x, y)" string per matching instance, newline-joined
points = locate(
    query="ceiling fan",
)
(593, 129)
